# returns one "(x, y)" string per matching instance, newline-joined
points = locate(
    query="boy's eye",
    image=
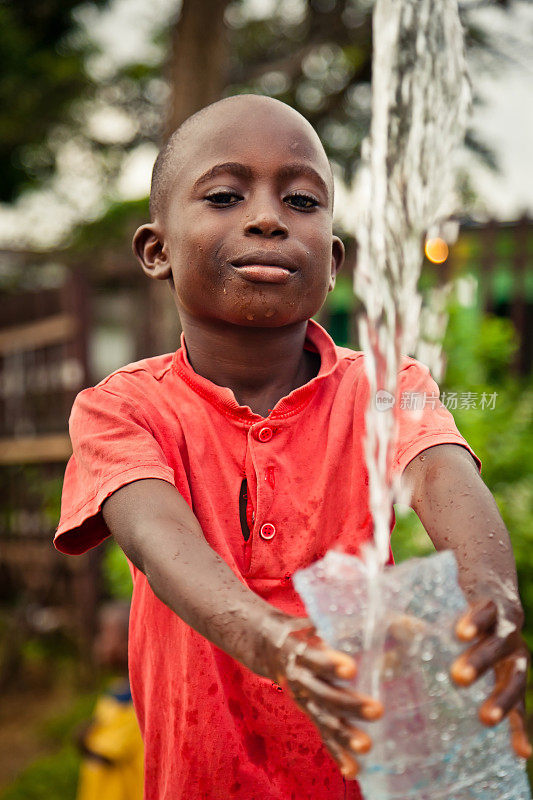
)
(223, 198)
(303, 201)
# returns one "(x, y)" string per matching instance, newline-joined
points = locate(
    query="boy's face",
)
(252, 186)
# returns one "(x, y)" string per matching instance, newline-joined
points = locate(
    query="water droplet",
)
(501, 773)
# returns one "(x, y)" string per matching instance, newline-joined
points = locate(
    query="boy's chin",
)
(271, 314)
(277, 319)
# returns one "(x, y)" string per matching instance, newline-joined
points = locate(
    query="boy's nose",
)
(266, 223)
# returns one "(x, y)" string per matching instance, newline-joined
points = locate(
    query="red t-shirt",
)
(213, 729)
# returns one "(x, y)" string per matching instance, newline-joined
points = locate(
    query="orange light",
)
(436, 250)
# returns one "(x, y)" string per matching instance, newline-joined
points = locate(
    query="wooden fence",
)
(43, 365)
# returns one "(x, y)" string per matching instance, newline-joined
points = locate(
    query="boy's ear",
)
(150, 252)
(337, 260)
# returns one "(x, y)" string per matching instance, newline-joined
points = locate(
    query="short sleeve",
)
(112, 446)
(423, 421)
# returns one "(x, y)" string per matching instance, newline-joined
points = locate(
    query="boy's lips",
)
(264, 273)
(264, 268)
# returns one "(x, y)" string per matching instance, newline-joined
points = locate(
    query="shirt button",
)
(265, 434)
(267, 531)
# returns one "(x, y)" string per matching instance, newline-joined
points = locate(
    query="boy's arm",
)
(459, 513)
(162, 537)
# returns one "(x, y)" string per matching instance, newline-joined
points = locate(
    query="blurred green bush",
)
(116, 572)
(480, 351)
(55, 776)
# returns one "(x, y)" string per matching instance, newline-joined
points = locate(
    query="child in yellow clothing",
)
(111, 744)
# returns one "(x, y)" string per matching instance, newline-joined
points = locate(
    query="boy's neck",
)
(260, 365)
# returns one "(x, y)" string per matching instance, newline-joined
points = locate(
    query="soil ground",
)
(23, 715)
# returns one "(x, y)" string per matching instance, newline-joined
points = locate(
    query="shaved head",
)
(170, 155)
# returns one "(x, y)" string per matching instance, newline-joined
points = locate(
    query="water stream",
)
(420, 102)
(398, 624)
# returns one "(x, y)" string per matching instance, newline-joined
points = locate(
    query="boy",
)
(225, 467)
(111, 744)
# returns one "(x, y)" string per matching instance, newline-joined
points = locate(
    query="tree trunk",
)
(197, 70)
(199, 63)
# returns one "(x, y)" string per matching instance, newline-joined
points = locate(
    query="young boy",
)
(223, 468)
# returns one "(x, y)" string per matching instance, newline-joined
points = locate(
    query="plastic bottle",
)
(399, 626)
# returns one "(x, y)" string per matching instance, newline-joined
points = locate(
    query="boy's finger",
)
(519, 738)
(348, 766)
(328, 663)
(329, 728)
(481, 617)
(508, 690)
(312, 651)
(342, 702)
(346, 735)
(478, 659)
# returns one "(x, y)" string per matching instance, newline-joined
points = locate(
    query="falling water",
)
(399, 624)
(420, 102)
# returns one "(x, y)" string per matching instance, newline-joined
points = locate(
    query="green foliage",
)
(409, 538)
(116, 572)
(53, 777)
(41, 77)
(315, 56)
(501, 437)
(479, 352)
(112, 229)
(59, 728)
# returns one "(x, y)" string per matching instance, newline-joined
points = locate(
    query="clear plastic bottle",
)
(399, 626)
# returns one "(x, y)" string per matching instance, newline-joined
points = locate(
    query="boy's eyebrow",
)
(242, 171)
(228, 166)
(295, 169)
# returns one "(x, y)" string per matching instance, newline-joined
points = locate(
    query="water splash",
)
(420, 101)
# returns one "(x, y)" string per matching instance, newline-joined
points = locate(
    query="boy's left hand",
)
(495, 629)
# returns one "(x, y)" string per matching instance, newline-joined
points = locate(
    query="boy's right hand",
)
(305, 665)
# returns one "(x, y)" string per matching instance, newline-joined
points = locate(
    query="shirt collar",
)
(316, 339)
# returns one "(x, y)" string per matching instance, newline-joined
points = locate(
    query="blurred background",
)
(88, 93)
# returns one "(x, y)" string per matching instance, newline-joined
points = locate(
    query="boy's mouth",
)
(264, 268)
(264, 273)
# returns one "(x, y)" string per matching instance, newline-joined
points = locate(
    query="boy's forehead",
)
(266, 136)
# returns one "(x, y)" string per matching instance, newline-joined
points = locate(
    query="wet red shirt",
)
(212, 729)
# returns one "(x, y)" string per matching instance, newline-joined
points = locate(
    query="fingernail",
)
(346, 670)
(463, 673)
(372, 710)
(468, 630)
(495, 714)
(349, 771)
(360, 743)
(521, 746)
